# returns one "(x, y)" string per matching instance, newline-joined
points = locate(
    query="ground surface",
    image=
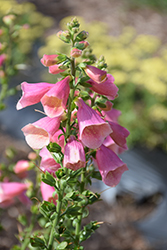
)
(118, 231)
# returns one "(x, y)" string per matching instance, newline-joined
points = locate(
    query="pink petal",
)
(96, 74)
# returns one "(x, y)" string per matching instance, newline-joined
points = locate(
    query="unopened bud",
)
(8, 20)
(76, 52)
(64, 36)
(82, 45)
(82, 36)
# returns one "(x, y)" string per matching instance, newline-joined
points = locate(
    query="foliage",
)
(138, 63)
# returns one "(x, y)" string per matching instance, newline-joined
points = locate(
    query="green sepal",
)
(54, 147)
(37, 242)
(62, 245)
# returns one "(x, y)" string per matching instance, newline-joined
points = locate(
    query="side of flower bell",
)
(96, 74)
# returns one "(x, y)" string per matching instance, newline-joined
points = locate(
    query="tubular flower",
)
(74, 155)
(10, 190)
(106, 87)
(110, 166)
(39, 133)
(76, 52)
(49, 60)
(55, 69)
(110, 143)
(92, 128)
(111, 115)
(54, 101)
(119, 134)
(97, 75)
(47, 162)
(47, 193)
(32, 93)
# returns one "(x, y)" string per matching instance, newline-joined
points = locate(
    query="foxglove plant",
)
(78, 139)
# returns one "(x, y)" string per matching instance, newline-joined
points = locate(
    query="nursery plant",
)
(77, 140)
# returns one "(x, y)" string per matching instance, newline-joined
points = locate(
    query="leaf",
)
(62, 245)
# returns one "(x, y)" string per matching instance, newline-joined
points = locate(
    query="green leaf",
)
(62, 245)
(48, 179)
(23, 220)
(54, 147)
(37, 242)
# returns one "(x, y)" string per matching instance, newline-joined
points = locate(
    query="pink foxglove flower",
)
(74, 155)
(32, 93)
(2, 59)
(47, 193)
(76, 52)
(56, 69)
(47, 162)
(10, 190)
(110, 143)
(54, 101)
(49, 60)
(108, 106)
(21, 168)
(119, 134)
(92, 128)
(97, 75)
(39, 133)
(111, 115)
(107, 87)
(110, 166)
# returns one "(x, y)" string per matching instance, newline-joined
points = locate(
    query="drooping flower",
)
(49, 60)
(119, 134)
(76, 52)
(92, 128)
(54, 101)
(96, 74)
(74, 155)
(111, 115)
(110, 166)
(47, 162)
(47, 193)
(39, 133)
(10, 190)
(32, 93)
(110, 143)
(56, 69)
(107, 87)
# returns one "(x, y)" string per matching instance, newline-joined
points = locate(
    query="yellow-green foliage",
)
(138, 64)
(26, 14)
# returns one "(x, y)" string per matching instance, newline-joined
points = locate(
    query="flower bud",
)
(76, 52)
(8, 20)
(64, 36)
(82, 45)
(82, 35)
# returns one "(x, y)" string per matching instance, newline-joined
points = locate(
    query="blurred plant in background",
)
(21, 25)
(138, 63)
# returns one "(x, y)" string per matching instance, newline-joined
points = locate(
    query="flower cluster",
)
(79, 114)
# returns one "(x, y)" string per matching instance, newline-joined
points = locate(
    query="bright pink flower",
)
(92, 128)
(55, 69)
(54, 101)
(49, 60)
(96, 74)
(21, 168)
(74, 155)
(119, 134)
(47, 162)
(39, 133)
(10, 190)
(47, 193)
(111, 115)
(110, 166)
(76, 52)
(32, 93)
(108, 106)
(107, 87)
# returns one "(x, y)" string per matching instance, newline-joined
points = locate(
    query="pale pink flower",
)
(32, 93)
(47, 193)
(21, 168)
(49, 60)
(107, 87)
(74, 155)
(54, 101)
(92, 128)
(96, 74)
(110, 166)
(47, 162)
(39, 133)
(10, 190)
